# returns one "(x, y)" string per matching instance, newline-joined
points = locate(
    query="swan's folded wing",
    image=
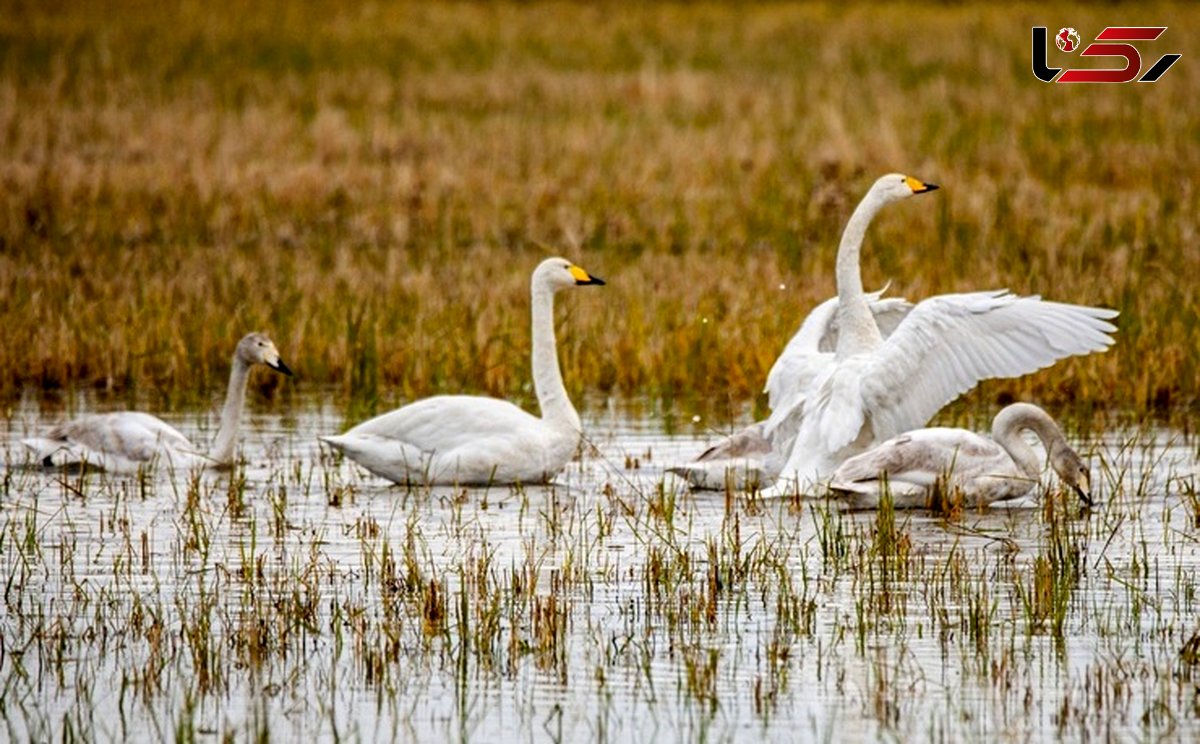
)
(446, 422)
(949, 343)
(920, 457)
(129, 434)
(748, 442)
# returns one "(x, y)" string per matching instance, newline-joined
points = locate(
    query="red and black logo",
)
(1067, 40)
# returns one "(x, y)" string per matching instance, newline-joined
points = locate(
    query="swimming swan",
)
(471, 440)
(126, 440)
(960, 463)
(874, 388)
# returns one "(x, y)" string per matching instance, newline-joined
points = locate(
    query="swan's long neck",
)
(547, 378)
(225, 446)
(857, 331)
(1006, 430)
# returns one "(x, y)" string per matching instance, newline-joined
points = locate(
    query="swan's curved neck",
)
(1006, 430)
(857, 331)
(225, 446)
(547, 377)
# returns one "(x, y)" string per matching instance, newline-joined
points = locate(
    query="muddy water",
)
(302, 597)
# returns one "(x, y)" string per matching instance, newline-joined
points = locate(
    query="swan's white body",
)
(125, 441)
(964, 466)
(469, 440)
(739, 461)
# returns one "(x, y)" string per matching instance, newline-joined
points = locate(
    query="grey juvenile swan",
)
(962, 464)
(127, 440)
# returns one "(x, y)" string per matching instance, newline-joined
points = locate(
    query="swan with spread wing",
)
(862, 369)
(873, 388)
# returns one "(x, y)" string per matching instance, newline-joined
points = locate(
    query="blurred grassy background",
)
(371, 184)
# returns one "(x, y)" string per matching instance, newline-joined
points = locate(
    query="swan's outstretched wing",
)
(889, 314)
(947, 345)
(792, 371)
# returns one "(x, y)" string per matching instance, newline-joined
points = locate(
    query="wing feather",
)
(948, 344)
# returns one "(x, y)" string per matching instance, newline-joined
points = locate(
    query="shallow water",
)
(303, 597)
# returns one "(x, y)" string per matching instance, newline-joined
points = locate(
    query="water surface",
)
(300, 596)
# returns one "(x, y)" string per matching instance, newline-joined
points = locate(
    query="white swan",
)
(124, 441)
(470, 440)
(738, 461)
(874, 388)
(916, 466)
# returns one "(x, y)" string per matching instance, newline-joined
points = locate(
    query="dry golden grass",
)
(371, 184)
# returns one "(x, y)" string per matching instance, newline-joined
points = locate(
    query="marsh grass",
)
(372, 185)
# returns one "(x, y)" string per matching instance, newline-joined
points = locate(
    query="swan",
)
(124, 441)
(917, 465)
(872, 388)
(738, 461)
(472, 440)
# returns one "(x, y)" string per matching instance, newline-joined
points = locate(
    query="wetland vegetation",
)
(372, 183)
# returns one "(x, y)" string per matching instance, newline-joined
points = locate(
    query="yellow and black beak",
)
(582, 277)
(918, 186)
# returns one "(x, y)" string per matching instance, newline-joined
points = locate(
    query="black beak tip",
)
(1084, 496)
(595, 280)
(931, 187)
(279, 366)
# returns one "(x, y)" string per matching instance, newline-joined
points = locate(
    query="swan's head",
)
(897, 186)
(256, 348)
(1073, 471)
(559, 273)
